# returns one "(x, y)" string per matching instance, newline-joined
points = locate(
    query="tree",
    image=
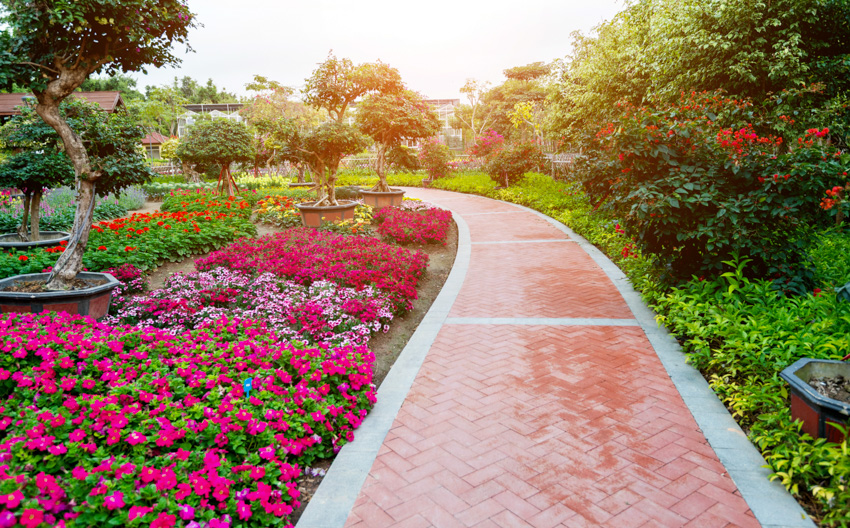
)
(118, 82)
(333, 86)
(52, 47)
(392, 118)
(475, 116)
(218, 142)
(37, 162)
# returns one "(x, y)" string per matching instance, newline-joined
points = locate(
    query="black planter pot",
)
(313, 216)
(12, 241)
(93, 301)
(808, 405)
(378, 199)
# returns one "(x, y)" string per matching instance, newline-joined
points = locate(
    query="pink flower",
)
(187, 513)
(79, 473)
(32, 518)
(136, 438)
(138, 511)
(77, 436)
(114, 501)
(258, 472)
(149, 474)
(164, 520)
(244, 510)
(12, 500)
(221, 493)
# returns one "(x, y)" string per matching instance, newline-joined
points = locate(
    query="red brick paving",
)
(542, 426)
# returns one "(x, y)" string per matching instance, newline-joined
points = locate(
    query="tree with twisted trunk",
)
(52, 46)
(218, 142)
(391, 119)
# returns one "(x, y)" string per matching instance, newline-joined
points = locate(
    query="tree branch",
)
(41, 66)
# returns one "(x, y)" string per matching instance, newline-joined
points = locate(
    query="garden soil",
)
(386, 347)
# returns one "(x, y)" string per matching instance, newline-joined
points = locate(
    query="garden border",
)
(769, 501)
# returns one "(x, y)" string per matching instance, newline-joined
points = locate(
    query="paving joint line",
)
(771, 504)
(540, 241)
(540, 321)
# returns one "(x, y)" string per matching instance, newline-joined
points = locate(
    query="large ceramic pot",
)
(378, 199)
(313, 216)
(92, 301)
(302, 185)
(12, 241)
(808, 405)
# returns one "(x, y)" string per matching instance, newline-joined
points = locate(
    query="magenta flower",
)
(164, 520)
(244, 510)
(32, 518)
(79, 473)
(12, 500)
(114, 501)
(138, 511)
(187, 513)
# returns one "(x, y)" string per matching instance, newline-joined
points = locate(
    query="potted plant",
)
(36, 163)
(390, 119)
(814, 383)
(85, 37)
(333, 87)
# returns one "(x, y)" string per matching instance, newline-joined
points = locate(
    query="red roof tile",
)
(109, 101)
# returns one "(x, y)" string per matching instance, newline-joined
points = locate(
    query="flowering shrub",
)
(508, 165)
(434, 157)
(205, 201)
(696, 182)
(321, 312)
(413, 224)
(305, 256)
(835, 201)
(279, 211)
(96, 421)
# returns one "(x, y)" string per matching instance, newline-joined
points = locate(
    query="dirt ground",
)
(386, 347)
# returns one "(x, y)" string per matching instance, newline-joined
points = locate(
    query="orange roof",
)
(154, 138)
(108, 101)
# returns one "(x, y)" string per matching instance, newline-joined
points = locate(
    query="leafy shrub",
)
(473, 182)
(695, 182)
(507, 165)
(434, 157)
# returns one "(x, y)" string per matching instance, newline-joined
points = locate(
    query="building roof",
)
(154, 138)
(209, 107)
(108, 101)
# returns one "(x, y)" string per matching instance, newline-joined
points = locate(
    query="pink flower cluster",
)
(404, 226)
(305, 256)
(104, 424)
(321, 312)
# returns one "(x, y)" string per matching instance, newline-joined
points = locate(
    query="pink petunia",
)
(244, 510)
(32, 518)
(11, 500)
(77, 436)
(164, 520)
(79, 473)
(114, 501)
(138, 511)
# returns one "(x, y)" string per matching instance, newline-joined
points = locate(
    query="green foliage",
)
(217, 142)
(402, 158)
(434, 157)
(508, 164)
(830, 252)
(118, 82)
(472, 182)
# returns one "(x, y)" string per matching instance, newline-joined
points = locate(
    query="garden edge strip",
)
(331, 504)
(769, 501)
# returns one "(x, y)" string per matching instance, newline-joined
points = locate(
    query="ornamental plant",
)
(307, 255)
(126, 426)
(418, 224)
(434, 157)
(390, 119)
(51, 49)
(218, 142)
(697, 181)
(508, 164)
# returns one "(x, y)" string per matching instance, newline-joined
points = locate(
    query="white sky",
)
(435, 45)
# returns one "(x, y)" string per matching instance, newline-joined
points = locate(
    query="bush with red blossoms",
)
(106, 426)
(404, 226)
(305, 256)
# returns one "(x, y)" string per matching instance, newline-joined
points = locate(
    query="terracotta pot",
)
(378, 199)
(12, 241)
(312, 216)
(808, 405)
(302, 185)
(93, 301)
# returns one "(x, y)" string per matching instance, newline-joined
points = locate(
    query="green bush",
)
(507, 165)
(472, 182)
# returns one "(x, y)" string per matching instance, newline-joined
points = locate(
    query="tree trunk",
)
(331, 186)
(300, 168)
(382, 185)
(71, 261)
(35, 216)
(22, 229)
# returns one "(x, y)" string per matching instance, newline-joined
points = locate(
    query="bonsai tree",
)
(324, 147)
(392, 118)
(52, 47)
(37, 162)
(334, 85)
(218, 142)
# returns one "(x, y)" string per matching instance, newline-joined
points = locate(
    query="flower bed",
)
(305, 256)
(98, 420)
(321, 312)
(413, 224)
(143, 240)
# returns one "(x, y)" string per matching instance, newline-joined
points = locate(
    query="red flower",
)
(101, 248)
(23, 258)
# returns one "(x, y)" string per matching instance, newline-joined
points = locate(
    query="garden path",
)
(540, 402)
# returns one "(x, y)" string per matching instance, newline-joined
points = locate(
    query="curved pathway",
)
(539, 392)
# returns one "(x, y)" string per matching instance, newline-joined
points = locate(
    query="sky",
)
(435, 45)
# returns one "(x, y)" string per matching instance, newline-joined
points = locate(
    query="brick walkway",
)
(541, 403)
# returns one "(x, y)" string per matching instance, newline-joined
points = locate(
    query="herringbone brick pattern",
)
(503, 226)
(542, 426)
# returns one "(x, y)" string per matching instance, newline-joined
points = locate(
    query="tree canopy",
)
(218, 142)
